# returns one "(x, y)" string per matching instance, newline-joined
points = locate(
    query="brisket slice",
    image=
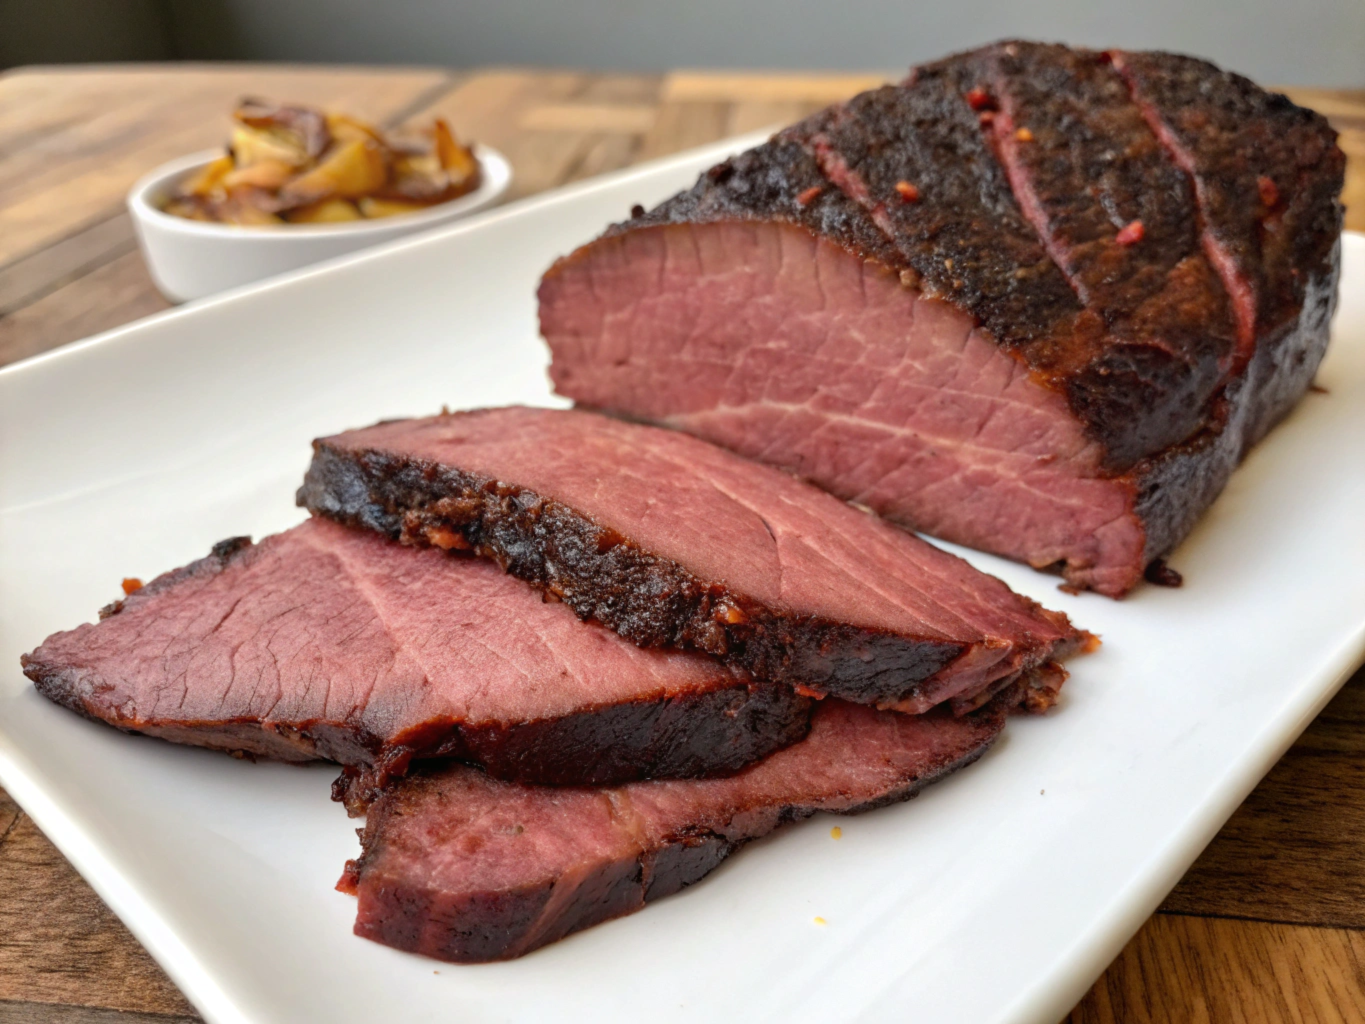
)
(323, 642)
(674, 542)
(459, 867)
(934, 299)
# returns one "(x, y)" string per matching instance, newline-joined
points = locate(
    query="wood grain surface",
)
(1267, 926)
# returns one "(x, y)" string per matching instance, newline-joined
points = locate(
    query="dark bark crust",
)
(1267, 175)
(508, 923)
(692, 735)
(1175, 487)
(601, 575)
(778, 180)
(685, 737)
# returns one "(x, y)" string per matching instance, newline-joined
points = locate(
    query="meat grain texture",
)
(324, 642)
(460, 867)
(674, 542)
(1032, 299)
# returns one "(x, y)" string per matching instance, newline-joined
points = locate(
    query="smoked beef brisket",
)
(1035, 300)
(457, 866)
(673, 542)
(324, 642)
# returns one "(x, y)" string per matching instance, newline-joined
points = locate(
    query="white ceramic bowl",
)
(190, 259)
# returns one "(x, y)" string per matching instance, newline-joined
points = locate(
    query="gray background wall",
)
(1286, 41)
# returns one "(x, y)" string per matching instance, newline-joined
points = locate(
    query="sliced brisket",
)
(460, 867)
(674, 542)
(324, 642)
(1003, 301)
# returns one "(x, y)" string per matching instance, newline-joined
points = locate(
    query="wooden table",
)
(1269, 924)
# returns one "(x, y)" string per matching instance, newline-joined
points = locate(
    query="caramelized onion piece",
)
(307, 125)
(457, 160)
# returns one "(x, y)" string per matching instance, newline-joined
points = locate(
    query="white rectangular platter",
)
(997, 896)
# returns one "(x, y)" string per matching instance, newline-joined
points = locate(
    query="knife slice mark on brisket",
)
(462, 868)
(674, 542)
(964, 236)
(1084, 165)
(1239, 288)
(324, 642)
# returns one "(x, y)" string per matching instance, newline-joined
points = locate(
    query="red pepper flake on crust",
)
(1023, 135)
(979, 99)
(131, 584)
(1131, 235)
(907, 191)
(1270, 192)
(808, 196)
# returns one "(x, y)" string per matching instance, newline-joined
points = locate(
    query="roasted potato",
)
(348, 129)
(257, 145)
(268, 174)
(210, 178)
(349, 170)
